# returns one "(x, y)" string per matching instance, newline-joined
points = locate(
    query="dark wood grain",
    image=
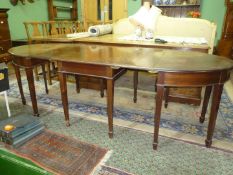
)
(213, 113)
(19, 81)
(225, 44)
(44, 77)
(139, 58)
(157, 115)
(28, 64)
(192, 79)
(110, 97)
(5, 40)
(63, 88)
(176, 95)
(31, 85)
(110, 74)
(205, 103)
(174, 69)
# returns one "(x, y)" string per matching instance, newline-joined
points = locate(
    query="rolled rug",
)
(98, 30)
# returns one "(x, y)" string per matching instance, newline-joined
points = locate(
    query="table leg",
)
(44, 77)
(31, 85)
(18, 77)
(213, 113)
(135, 85)
(110, 100)
(205, 103)
(77, 83)
(158, 107)
(63, 87)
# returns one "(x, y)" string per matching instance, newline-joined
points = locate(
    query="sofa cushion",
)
(186, 27)
(171, 26)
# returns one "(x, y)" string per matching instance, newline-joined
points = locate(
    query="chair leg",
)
(77, 83)
(166, 97)
(49, 74)
(7, 104)
(53, 67)
(36, 73)
(45, 80)
(102, 87)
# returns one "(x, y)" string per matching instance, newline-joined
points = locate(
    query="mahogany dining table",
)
(181, 95)
(173, 68)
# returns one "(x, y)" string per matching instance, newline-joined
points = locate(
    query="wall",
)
(133, 6)
(212, 10)
(20, 13)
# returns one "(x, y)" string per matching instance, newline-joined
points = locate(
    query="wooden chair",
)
(34, 29)
(46, 29)
(37, 29)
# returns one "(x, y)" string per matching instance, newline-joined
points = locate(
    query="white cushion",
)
(171, 26)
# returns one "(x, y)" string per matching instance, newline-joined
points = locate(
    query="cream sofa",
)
(171, 26)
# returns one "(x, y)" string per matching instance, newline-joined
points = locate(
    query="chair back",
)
(51, 28)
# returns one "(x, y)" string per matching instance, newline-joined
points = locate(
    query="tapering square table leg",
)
(213, 113)
(110, 101)
(19, 81)
(158, 107)
(31, 85)
(63, 88)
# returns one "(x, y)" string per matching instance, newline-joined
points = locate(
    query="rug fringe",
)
(102, 162)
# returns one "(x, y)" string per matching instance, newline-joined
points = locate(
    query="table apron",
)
(192, 79)
(93, 70)
(28, 62)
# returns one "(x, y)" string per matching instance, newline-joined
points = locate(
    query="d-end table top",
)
(150, 59)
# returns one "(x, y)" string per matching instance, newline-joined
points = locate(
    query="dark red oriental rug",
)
(61, 154)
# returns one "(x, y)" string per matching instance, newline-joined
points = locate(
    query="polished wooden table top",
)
(149, 59)
(175, 68)
(115, 39)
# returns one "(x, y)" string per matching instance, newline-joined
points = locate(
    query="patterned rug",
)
(20, 164)
(132, 150)
(61, 154)
(106, 170)
(177, 121)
